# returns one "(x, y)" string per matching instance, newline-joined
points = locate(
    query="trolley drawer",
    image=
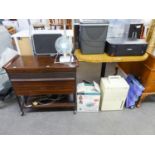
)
(44, 86)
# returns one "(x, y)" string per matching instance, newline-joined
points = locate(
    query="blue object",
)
(135, 91)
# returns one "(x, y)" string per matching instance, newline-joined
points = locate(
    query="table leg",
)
(21, 102)
(116, 70)
(103, 69)
(144, 95)
(76, 36)
(75, 97)
(75, 107)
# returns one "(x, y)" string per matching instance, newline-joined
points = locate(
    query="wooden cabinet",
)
(145, 71)
(39, 75)
(147, 76)
(58, 23)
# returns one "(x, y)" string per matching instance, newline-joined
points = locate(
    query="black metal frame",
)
(103, 69)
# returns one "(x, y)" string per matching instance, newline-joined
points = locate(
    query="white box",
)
(88, 97)
(114, 90)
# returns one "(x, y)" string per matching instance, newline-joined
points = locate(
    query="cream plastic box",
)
(114, 90)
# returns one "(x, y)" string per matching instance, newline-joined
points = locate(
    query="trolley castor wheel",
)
(22, 114)
(74, 112)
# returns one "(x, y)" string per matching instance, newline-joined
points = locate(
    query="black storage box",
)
(93, 36)
(120, 47)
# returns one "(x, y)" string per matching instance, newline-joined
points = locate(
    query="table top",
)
(99, 58)
(38, 63)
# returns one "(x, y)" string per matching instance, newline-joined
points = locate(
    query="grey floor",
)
(136, 121)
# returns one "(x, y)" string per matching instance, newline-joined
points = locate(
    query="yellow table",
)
(104, 58)
(99, 58)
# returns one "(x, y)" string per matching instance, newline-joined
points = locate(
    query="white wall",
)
(22, 24)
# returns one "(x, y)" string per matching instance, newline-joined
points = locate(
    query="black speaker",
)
(44, 44)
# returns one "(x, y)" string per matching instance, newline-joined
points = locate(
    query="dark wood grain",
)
(35, 64)
(30, 88)
(46, 74)
(39, 75)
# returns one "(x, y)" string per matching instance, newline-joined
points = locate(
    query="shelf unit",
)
(58, 23)
(65, 103)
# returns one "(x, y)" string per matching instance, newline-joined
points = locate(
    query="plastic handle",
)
(112, 78)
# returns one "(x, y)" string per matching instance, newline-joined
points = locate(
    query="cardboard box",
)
(88, 97)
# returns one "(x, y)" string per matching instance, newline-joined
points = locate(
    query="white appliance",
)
(114, 90)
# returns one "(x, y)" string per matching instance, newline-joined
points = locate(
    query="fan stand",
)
(64, 58)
